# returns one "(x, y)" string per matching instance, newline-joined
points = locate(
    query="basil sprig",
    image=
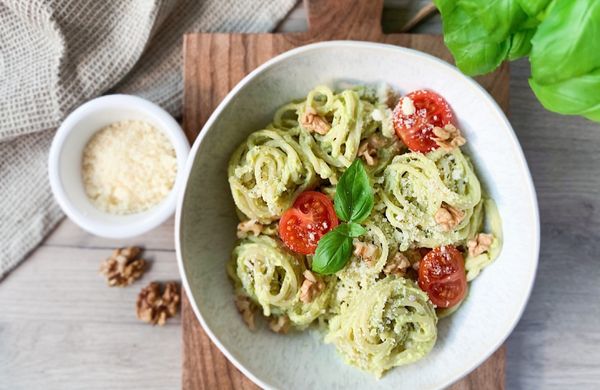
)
(353, 203)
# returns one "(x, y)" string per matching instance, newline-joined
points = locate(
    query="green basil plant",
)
(561, 38)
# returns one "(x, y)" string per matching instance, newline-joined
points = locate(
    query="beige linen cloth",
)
(56, 54)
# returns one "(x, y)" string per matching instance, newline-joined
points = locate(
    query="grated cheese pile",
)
(128, 167)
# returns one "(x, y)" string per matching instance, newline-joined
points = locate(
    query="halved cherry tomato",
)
(416, 128)
(302, 226)
(442, 276)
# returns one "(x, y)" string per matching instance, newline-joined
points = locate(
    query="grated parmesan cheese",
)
(128, 167)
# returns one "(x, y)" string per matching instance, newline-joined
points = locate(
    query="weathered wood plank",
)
(61, 327)
(64, 284)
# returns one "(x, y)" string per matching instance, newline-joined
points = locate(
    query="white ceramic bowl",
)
(206, 220)
(66, 152)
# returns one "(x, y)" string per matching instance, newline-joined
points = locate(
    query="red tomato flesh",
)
(416, 128)
(302, 226)
(442, 276)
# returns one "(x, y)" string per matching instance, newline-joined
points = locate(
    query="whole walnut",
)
(123, 267)
(156, 303)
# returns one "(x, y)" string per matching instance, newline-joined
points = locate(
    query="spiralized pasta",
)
(271, 276)
(267, 172)
(349, 115)
(268, 273)
(372, 309)
(415, 185)
(388, 324)
(353, 116)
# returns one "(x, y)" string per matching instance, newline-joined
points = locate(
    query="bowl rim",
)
(530, 193)
(148, 219)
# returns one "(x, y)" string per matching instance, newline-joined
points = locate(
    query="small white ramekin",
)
(66, 153)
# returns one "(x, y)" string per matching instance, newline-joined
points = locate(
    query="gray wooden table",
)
(62, 328)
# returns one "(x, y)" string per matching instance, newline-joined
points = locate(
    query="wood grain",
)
(61, 327)
(214, 64)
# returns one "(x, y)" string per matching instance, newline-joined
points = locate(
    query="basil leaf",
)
(470, 43)
(565, 66)
(566, 44)
(481, 34)
(353, 199)
(576, 96)
(333, 252)
(351, 230)
(500, 18)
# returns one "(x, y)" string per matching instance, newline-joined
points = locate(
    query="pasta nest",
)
(415, 186)
(389, 324)
(267, 173)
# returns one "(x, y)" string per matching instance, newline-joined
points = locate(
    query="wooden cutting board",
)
(213, 64)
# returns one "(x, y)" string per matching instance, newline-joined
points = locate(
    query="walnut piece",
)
(398, 265)
(155, 304)
(246, 308)
(448, 217)
(367, 152)
(311, 287)
(244, 228)
(368, 148)
(312, 122)
(414, 257)
(280, 324)
(123, 267)
(448, 137)
(365, 251)
(479, 244)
